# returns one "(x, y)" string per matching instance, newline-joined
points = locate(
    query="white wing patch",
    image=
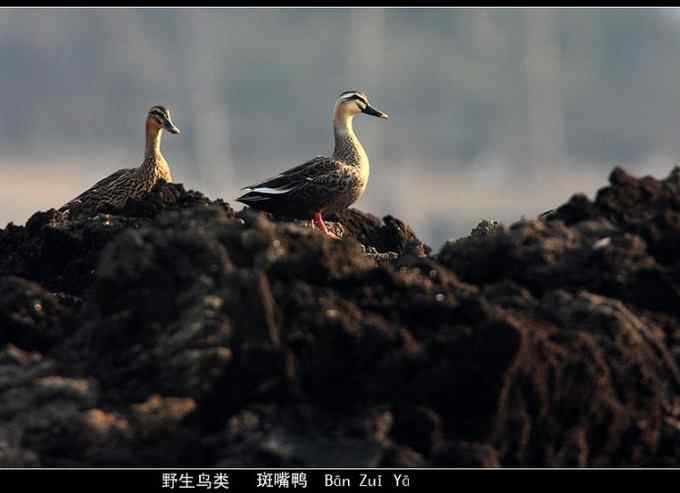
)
(270, 191)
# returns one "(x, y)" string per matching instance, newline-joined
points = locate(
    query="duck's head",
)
(159, 118)
(352, 103)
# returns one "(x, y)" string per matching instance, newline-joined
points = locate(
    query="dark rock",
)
(389, 235)
(464, 454)
(418, 427)
(403, 457)
(38, 407)
(30, 317)
(300, 436)
(177, 332)
(169, 196)
(61, 251)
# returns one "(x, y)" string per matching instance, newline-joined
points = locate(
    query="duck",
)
(118, 187)
(322, 185)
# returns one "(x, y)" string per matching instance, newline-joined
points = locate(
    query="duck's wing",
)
(294, 178)
(98, 189)
(297, 192)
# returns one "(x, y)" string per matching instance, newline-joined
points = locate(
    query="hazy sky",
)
(495, 113)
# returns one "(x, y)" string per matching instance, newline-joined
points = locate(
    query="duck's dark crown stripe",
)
(353, 96)
(159, 114)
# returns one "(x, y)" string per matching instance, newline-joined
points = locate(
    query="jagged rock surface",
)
(178, 332)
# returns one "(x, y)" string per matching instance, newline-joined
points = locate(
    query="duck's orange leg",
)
(318, 221)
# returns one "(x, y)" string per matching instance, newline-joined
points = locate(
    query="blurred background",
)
(495, 113)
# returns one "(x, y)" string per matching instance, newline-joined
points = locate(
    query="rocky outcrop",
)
(176, 331)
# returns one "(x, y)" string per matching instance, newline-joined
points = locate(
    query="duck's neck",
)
(347, 146)
(153, 140)
(154, 162)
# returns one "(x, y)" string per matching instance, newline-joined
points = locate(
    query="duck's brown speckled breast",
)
(349, 183)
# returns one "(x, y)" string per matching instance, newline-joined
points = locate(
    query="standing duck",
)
(117, 188)
(324, 184)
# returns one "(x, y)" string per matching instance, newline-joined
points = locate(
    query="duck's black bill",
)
(370, 110)
(170, 127)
